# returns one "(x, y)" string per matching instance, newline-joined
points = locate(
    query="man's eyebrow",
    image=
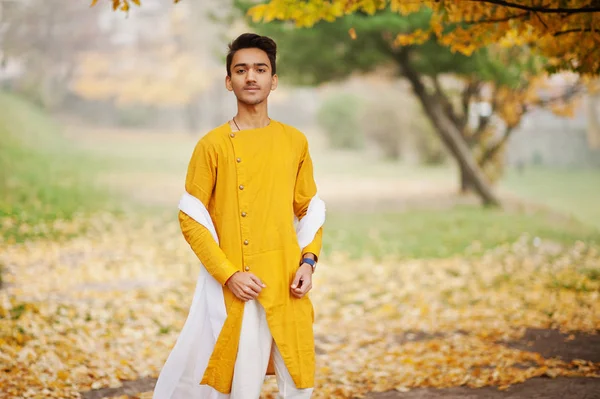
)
(243, 64)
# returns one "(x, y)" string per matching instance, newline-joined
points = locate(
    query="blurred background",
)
(131, 93)
(100, 112)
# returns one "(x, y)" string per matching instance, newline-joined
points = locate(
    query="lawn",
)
(148, 168)
(43, 179)
(461, 230)
(571, 191)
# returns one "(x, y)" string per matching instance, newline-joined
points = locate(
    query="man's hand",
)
(245, 286)
(303, 281)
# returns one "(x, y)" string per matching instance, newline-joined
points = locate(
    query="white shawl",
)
(181, 375)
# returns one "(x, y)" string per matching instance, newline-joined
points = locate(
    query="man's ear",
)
(228, 83)
(274, 81)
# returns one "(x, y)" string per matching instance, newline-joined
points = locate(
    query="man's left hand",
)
(303, 281)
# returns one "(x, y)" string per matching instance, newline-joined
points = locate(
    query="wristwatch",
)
(310, 261)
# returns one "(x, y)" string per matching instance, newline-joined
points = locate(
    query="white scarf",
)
(181, 375)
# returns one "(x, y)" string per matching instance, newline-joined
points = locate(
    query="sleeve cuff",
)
(224, 272)
(313, 248)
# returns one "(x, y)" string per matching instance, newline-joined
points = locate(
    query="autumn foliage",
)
(563, 31)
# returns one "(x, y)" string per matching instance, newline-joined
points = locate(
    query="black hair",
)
(252, 40)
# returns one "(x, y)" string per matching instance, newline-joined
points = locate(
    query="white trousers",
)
(256, 344)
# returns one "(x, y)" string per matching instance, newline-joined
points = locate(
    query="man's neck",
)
(252, 116)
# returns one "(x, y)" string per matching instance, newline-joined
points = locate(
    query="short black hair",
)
(252, 40)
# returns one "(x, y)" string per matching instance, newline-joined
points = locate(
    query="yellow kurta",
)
(253, 182)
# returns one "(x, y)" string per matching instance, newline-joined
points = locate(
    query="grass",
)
(42, 179)
(461, 230)
(573, 192)
(49, 178)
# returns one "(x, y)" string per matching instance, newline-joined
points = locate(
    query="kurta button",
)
(247, 268)
(245, 242)
(241, 187)
(232, 135)
(239, 160)
(243, 214)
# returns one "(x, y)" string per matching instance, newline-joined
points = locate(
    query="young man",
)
(252, 215)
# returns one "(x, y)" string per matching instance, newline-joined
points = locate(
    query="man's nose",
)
(251, 76)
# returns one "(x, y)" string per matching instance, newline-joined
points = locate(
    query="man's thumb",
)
(296, 280)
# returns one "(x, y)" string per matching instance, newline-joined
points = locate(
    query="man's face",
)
(251, 78)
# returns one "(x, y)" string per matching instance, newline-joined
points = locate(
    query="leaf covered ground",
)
(92, 311)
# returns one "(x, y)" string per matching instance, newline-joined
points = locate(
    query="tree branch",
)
(471, 88)
(505, 19)
(491, 151)
(541, 20)
(578, 30)
(446, 104)
(569, 93)
(484, 122)
(542, 9)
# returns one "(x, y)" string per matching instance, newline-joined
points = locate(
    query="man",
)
(252, 215)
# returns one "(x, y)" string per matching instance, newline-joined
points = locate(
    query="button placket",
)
(241, 173)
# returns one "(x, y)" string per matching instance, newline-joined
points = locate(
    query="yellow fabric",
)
(265, 174)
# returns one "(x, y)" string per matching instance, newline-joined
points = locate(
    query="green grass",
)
(570, 191)
(444, 233)
(41, 178)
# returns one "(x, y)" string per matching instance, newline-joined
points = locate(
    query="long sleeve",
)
(199, 182)
(304, 190)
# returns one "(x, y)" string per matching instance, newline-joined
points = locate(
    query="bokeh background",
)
(99, 114)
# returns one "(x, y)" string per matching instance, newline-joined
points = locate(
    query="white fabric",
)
(256, 345)
(182, 372)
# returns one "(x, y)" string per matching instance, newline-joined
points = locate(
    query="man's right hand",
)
(245, 285)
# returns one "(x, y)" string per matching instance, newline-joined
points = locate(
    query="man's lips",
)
(253, 88)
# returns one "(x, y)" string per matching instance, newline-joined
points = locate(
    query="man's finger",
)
(254, 287)
(296, 280)
(242, 297)
(305, 288)
(256, 280)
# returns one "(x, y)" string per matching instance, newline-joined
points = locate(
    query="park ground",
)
(420, 292)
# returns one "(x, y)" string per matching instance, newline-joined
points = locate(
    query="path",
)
(548, 343)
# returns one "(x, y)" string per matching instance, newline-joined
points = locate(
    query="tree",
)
(567, 40)
(320, 54)
(161, 70)
(38, 36)
(562, 31)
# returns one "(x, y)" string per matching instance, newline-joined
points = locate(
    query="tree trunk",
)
(450, 134)
(465, 181)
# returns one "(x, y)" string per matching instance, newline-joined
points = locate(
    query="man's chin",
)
(251, 101)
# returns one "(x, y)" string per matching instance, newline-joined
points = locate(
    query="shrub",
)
(339, 117)
(384, 125)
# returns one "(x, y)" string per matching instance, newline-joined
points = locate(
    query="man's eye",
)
(239, 71)
(261, 70)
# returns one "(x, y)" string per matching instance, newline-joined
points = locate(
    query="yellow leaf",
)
(62, 375)
(257, 12)
(352, 33)
(137, 2)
